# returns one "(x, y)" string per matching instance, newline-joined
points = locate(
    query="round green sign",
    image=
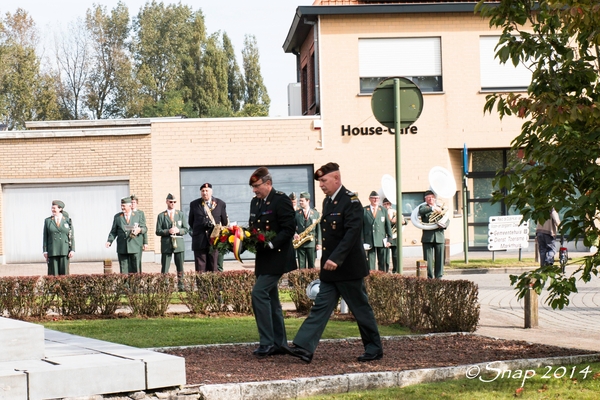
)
(383, 103)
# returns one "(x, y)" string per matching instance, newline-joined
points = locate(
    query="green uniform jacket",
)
(303, 223)
(341, 229)
(277, 215)
(164, 223)
(376, 228)
(433, 235)
(144, 233)
(125, 243)
(56, 238)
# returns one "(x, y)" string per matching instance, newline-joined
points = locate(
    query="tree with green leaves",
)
(25, 93)
(256, 99)
(559, 139)
(110, 65)
(235, 79)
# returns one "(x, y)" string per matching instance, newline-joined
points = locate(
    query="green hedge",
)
(425, 305)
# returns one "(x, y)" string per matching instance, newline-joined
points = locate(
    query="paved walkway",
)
(502, 315)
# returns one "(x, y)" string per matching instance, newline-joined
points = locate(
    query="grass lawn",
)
(190, 330)
(557, 382)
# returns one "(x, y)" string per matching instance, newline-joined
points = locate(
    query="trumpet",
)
(306, 236)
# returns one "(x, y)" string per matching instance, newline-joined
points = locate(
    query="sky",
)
(268, 20)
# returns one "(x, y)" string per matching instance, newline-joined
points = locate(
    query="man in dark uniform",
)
(305, 217)
(433, 240)
(205, 213)
(59, 242)
(343, 269)
(270, 210)
(377, 232)
(127, 229)
(171, 225)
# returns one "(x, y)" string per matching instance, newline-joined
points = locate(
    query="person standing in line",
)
(59, 240)
(134, 208)
(294, 200)
(433, 240)
(171, 225)
(305, 217)
(393, 216)
(270, 210)
(343, 269)
(545, 235)
(377, 232)
(127, 229)
(206, 213)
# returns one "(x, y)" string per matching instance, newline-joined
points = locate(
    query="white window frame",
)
(496, 76)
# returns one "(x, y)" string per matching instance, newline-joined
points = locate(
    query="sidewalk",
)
(501, 315)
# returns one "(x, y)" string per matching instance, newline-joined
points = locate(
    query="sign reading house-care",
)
(348, 130)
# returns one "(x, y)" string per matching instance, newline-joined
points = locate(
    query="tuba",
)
(306, 236)
(442, 183)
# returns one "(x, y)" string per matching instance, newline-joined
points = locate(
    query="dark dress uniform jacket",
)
(277, 215)
(56, 238)
(125, 243)
(341, 236)
(198, 221)
(164, 223)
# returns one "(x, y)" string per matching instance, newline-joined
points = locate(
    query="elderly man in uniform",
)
(343, 269)
(377, 232)
(433, 240)
(305, 217)
(270, 210)
(171, 225)
(59, 240)
(205, 213)
(127, 229)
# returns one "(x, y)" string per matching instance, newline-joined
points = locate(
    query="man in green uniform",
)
(305, 218)
(59, 240)
(377, 232)
(433, 240)
(134, 208)
(127, 229)
(171, 225)
(343, 269)
(270, 210)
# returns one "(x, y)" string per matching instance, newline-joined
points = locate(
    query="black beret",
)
(427, 193)
(257, 175)
(326, 169)
(206, 185)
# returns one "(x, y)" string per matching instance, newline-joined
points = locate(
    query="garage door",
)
(90, 205)
(231, 185)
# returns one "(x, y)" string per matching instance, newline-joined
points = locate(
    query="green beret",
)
(126, 200)
(58, 203)
(428, 192)
(170, 197)
(293, 196)
(134, 197)
(305, 195)
(374, 194)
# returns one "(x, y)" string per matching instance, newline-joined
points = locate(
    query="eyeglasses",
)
(172, 201)
(255, 185)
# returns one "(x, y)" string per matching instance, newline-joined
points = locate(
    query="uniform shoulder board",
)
(353, 196)
(280, 193)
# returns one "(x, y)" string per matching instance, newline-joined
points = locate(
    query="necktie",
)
(58, 221)
(374, 211)
(127, 218)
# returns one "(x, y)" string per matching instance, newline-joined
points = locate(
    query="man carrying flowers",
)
(270, 211)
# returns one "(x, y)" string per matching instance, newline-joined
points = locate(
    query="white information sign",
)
(504, 232)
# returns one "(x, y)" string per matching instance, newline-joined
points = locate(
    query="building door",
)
(91, 206)
(230, 184)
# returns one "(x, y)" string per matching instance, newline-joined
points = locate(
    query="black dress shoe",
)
(370, 357)
(299, 352)
(264, 350)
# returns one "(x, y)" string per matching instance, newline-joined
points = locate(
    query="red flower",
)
(261, 237)
(223, 239)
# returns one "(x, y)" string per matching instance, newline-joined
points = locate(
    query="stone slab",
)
(13, 384)
(20, 340)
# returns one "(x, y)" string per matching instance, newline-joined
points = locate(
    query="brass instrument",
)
(306, 236)
(437, 216)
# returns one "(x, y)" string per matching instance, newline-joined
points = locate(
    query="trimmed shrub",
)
(202, 292)
(298, 281)
(25, 296)
(149, 295)
(237, 290)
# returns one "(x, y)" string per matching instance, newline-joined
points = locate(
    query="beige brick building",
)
(443, 47)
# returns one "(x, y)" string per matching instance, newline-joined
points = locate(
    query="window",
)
(410, 201)
(418, 59)
(496, 76)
